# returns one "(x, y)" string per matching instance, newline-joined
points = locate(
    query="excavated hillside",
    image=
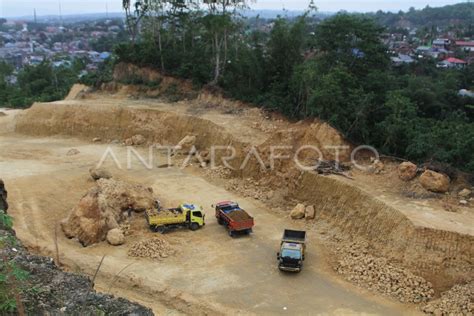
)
(417, 233)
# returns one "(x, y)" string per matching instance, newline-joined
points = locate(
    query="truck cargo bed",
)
(238, 215)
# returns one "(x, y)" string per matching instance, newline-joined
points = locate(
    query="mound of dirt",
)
(102, 209)
(154, 248)
(75, 91)
(459, 300)
(2, 113)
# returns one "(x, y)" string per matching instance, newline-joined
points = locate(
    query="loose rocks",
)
(465, 193)
(377, 274)
(135, 140)
(154, 248)
(459, 300)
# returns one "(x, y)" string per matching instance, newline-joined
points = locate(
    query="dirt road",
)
(210, 272)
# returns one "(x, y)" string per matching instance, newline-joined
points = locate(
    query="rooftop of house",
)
(465, 43)
(453, 60)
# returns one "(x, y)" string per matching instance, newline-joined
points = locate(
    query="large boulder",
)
(103, 208)
(298, 212)
(310, 212)
(407, 171)
(99, 173)
(434, 182)
(115, 237)
(185, 145)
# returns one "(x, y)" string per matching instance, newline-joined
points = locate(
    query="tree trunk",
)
(217, 67)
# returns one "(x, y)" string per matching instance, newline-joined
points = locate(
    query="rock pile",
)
(377, 274)
(103, 207)
(136, 140)
(459, 300)
(154, 248)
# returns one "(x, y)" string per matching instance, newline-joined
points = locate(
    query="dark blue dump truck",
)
(292, 248)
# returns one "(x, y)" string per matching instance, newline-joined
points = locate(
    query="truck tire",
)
(158, 229)
(231, 233)
(194, 226)
(220, 221)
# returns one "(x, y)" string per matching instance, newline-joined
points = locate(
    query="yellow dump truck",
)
(186, 215)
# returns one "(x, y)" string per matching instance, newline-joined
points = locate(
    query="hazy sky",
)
(10, 8)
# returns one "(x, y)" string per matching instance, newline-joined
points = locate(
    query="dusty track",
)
(211, 273)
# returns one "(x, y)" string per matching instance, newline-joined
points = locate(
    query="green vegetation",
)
(337, 70)
(42, 83)
(12, 277)
(458, 17)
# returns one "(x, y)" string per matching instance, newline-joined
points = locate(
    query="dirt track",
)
(210, 273)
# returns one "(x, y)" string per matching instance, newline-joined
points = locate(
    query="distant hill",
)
(457, 14)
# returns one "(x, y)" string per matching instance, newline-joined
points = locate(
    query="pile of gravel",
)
(377, 274)
(154, 248)
(459, 300)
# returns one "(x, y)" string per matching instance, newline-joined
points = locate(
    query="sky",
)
(12, 8)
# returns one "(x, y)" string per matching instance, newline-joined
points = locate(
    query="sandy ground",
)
(210, 272)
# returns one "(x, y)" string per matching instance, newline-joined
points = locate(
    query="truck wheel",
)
(220, 221)
(194, 226)
(231, 233)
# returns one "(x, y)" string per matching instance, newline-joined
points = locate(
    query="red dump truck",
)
(236, 220)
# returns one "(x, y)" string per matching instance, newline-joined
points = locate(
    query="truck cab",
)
(194, 214)
(292, 249)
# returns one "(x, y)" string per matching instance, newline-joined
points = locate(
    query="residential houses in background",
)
(25, 43)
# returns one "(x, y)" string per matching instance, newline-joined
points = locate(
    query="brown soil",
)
(411, 231)
(239, 215)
